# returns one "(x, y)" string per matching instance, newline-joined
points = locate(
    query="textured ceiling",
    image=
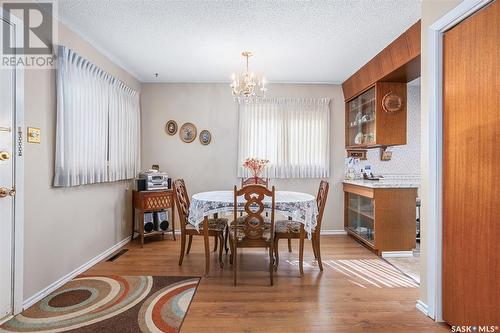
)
(201, 41)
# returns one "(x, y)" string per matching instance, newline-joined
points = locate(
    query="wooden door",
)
(471, 170)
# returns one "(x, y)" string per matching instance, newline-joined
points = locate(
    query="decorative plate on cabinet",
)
(187, 132)
(391, 102)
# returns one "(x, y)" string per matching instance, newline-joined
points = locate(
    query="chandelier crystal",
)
(246, 86)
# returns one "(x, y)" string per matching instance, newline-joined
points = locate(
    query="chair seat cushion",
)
(287, 227)
(240, 232)
(218, 224)
(266, 235)
(241, 220)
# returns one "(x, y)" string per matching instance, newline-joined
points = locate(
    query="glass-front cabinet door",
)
(361, 216)
(361, 119)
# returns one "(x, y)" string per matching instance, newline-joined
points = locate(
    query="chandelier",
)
(246, 86)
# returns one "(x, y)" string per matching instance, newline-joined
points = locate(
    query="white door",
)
(7, 192)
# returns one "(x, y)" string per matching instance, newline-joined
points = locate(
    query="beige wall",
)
(213, 167)
(432, 10)
(65, 228)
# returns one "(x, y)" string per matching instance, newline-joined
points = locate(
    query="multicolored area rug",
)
(110, 304)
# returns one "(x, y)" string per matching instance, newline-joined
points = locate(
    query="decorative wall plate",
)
(187, 132)
(171, 127)
(391, 102)
(205, 137)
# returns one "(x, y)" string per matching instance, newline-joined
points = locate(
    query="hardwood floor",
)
(332, 301)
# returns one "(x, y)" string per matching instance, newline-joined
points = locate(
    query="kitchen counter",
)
(385, 183)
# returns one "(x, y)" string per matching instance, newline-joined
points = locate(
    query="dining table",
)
(297, 206)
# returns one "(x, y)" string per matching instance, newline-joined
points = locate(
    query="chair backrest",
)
(321, 201)
(254, 195)
(251, 181)
(181, 201)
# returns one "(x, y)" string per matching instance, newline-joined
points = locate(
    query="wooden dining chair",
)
(295, 230)
(251, 181)
(246, 182)
(216, 226)
(256, 230)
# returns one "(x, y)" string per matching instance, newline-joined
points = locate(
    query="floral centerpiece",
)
(255, 165)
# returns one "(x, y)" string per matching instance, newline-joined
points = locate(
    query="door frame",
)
(434, 212)
(18, 129)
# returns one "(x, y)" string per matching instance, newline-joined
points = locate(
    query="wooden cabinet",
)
(369, 124)
(412, 36)
(381, 218)
(148, 202)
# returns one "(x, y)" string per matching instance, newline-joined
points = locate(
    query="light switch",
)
(33, 135)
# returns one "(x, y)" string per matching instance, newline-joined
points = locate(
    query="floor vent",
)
(117, 255)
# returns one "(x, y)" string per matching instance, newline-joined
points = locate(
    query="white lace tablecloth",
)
(301, 207)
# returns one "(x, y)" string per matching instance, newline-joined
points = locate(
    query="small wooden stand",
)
(149, 202)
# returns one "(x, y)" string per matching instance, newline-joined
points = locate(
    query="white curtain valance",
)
(98, 124)
(292, 133)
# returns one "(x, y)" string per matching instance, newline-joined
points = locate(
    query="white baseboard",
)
(44, 292)
(333, 232)
(396, 254)
(422, 307)
(6, 319)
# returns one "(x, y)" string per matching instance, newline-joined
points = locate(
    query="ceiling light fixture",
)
(246, 86)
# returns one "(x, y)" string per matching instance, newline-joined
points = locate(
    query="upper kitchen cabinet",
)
(398, 62)
(375, 95)
(377, 116)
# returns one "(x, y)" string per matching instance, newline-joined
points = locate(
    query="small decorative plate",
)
(171, 127)
(392, 102)
(205, 137)
(187, 132)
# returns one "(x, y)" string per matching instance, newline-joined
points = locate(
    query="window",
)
(98, 124)
(293, 134)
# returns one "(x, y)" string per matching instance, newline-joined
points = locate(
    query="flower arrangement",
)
(255, 166)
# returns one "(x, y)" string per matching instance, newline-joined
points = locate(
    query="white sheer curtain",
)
(124, 135)
(293, 134)
(97, 124)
